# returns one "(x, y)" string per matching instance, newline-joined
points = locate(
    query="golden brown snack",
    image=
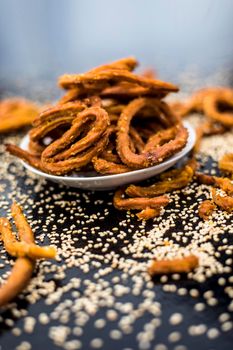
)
(204, 179)
(192, 104)
(123, 203)
(156, 154)
(148, 213)
(223, 183)
(77, 162)
(24, 229)
(23, 249)
(128, 64)
(181, 265)
(67, 137)
(226, 163)
(58, 149)
(20, 276)
(16, 113)
(105, 78)
(176, 179)
(127, 90)
(66, 154)
(106, 167)
(25, 156)
(223, 202)
(206, 209)
(26, 246)
(54, 117)
(24, 266)
(213, 102)
(73, 94)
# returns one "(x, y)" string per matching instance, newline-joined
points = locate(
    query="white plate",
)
(93, 181)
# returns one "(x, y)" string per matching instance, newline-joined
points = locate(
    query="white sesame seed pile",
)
(98, 294)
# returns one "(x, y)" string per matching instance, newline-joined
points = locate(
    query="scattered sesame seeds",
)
(212, 333)
(175, 319)
(96, 343)
(100, 276)
(174, 337)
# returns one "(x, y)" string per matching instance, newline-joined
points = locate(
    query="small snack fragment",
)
(19, 278)
(172, 180)
(16, 113)
(206, 209)
(179, 265)
(223, 202)
(149, 207)
(23, 249)
(223, 183)
(26, 252)
(123, 203)
(148, 213)
(226, 163)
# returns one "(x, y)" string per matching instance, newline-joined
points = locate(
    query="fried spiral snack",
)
(216, 105)
(221, 98)
(157, 153)
(226, 163)
(104, 77)
(53, 118)
(59, 159)
(212, 102)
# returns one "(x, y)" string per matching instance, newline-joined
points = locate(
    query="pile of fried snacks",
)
(111, 120)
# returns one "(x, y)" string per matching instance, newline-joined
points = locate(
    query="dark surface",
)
(171, 302)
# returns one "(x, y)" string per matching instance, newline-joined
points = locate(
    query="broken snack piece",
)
(206, 208)
(178, 265)
(26, 250)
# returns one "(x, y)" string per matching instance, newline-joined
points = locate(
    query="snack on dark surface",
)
(205, 209)
(26, 251)
(178, 265)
